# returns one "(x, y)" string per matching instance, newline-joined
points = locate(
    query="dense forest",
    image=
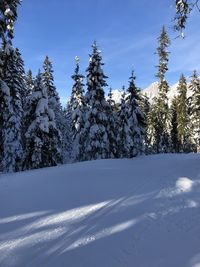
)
(36, 131)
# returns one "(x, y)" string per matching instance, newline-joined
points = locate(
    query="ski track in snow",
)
(143, 212)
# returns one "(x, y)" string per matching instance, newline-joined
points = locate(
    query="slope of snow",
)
(143, 212)
(151, 91)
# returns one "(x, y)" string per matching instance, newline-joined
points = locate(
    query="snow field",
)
(142, 212)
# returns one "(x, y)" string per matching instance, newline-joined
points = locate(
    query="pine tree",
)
(78, 106)
(24, 91)
(29, 83)
(5, 115)
(26, 98)
(183, 9)
(195, 110)
(152, 145)
(21, 77)
(8, 14)
(162, 119)
(68, 136)
(53, 97)
(183, 122)
(42, 136)
(9, 124)
(174, 126)
(15, 81)
(136, 118)
(145, 108)
(112, 126)
(96, 143)
(124, 137)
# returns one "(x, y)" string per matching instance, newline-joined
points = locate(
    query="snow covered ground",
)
(143, 212)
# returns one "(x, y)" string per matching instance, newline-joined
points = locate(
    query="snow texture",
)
(142, 212)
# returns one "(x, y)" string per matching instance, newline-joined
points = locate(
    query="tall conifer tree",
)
(124, 137)
(68, 136)
(78, 106)
(97, 143)
(5, 114)
(161, 122)
(183, 121)
(136, 118)
(21, 77)
(144, 107)
(152, 144)
(112, 126)
(195, 110)
(174, 126)
(15, 81)
(53, 98)
(8, 15)
(42, 136)
(29, 83)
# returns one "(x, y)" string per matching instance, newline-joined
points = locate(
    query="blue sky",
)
(126, 32)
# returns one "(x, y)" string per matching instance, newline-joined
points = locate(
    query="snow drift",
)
(143, 212)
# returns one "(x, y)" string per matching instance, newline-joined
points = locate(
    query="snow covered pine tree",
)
(15, 81)
(78, 109)
(96, 135)
(53, 98)
(8, 15)
(183, 120)
(42, 136)
(136, 120)
(112, 126)
(124, 137)
(195, 110)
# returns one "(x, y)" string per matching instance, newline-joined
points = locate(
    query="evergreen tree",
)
(183, 10)
(152, 130)
(78, 106)
(96, 143)
(54, 100)
(42, 136)
(8, 15)
(53, 97)
(29, 83)
(15, 81)
(10, 98)
(174, 126)
(5, 115)
(195, 110)
(145, 108)
(162, 120)
(163, 54)
(112, 126)
(68, 136)
(136, 118)
(183, 121)
(124, 137)
(21, 77)
(26, 98)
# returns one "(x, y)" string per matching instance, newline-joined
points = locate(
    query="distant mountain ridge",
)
(151, 91)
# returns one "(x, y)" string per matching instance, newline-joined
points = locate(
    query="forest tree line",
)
(36, 131)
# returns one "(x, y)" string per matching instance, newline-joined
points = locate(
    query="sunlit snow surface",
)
(142, 212)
